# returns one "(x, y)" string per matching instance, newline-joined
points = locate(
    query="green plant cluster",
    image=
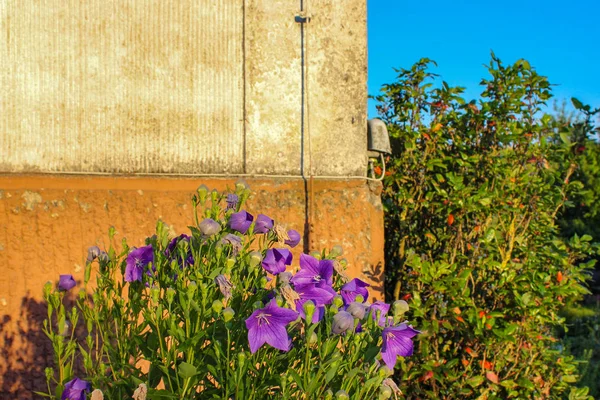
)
(471, 198)
(215, 315)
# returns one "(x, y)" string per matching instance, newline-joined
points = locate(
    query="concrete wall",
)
(182, 86)
(47, 224)
(154, 87)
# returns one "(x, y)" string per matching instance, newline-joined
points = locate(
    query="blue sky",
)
(561, 39)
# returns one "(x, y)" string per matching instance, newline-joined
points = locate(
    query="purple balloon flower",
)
(342, 322)
(170, 251)
(75, 389)
(234, 240)
(232, 201)
(137, 260)
(383, 308)
(241, 221)
(267, 325)
(354, 288)
(397, 342)
(209, 227)
(173, 244)
(66, 283)
(314, 272)
(294, 238)
(319, 296)
(95, 252)
(276, 259)
(263, 224)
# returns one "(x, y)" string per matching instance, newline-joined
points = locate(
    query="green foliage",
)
(582, 214)
(582, 340)
(471, 241)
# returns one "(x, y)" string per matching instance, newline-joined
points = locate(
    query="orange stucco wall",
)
(48, 222)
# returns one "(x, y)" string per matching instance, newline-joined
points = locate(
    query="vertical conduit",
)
(309, 244)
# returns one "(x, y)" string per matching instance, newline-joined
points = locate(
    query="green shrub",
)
(471, 197)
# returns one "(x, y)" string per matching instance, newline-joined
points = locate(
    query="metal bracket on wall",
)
(302, 18)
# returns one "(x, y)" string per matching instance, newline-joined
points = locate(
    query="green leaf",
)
(576, 103)
(186, 370)
(296, 378)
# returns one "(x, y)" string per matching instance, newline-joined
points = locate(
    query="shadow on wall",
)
(26, 351)
(375, 275)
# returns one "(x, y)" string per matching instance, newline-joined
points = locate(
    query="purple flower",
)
(225, 286)
(137, 260)
(232, 201)
(95, 252)
(319, 296)
(66, 283)
(173, 244)
(267, 325)
(294, 238)
(241, 221)
(263, 224)
(209, 227)
(170, 251)
(234, 240)
(354, 288)
(75, 389)
(397, 342)
(314, 272)
(342, 322)
(276, 259)
(383, 308)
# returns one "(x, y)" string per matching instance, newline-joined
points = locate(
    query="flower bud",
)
(214, 196)
(315, 254)
(170, 295)
(343, 262)
(255, 259)
(263, 282)
(192, 288)
(385, 393)
(384, 371)
(280, 301)
(47, 290)
(241, 186)
(230, 264)
(399, 308)
(241, 358)
(342, 322)
(209, 227)
(357, 310)
(336, 251)
(284, 277)
(312, 338)
(97, 395)
(154, 293)
(338, 301)
(202, 193)
(257, 305)
(217, 306)
(228, 314)
(49, 373)
(309, 310)
(341, 395)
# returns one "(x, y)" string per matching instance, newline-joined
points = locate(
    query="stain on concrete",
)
(31, 199)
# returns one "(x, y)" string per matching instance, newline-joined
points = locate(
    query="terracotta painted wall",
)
(48, 222)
